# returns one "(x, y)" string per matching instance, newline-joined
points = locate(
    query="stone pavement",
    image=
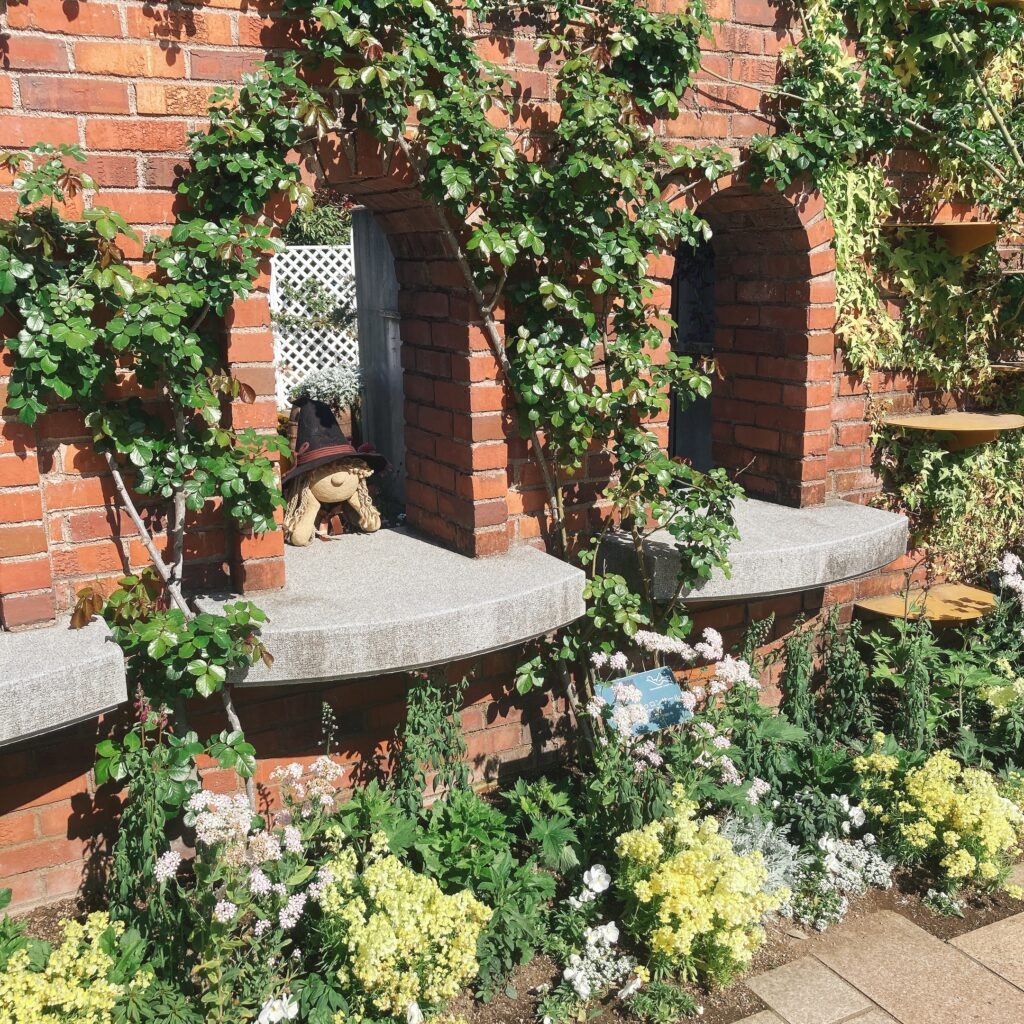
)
(883, 969)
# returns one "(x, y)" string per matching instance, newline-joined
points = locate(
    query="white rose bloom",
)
(597, 879)
(276, 1010)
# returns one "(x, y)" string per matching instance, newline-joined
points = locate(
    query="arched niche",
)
(758, 299)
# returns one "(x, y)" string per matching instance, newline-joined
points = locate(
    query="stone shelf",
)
(780, 551)
(966, 429)
(56, 676)
(962, 235)
(369, 604)
(944, 604)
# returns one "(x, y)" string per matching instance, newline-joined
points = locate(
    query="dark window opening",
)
(693, 309)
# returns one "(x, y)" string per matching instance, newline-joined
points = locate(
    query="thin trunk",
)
(174, 590)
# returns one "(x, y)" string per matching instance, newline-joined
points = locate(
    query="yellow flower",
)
(73, 987)
(956, 817)
(405, 940)
(699, 904)
(959, 864)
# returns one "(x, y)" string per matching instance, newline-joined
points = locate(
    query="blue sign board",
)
(660, 696)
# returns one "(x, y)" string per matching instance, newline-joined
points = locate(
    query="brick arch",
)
(456, 422)
(774, 340)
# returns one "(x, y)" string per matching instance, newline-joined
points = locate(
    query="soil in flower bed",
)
(786, 942)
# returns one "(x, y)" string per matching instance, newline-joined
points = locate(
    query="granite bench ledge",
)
(371, 604)
(57, 676)
(781, 550)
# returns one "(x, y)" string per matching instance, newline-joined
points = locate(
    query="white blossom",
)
(712, 648)
(278, 1009)
(224, 912)
(618, 662)
(166, 866)
(596, 878)
(289, 915)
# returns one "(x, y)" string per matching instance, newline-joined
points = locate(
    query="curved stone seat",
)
(780, 550)
(56, 676)
(370, 604)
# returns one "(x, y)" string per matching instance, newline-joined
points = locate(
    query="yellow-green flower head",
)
(73, 987)
(406, 940)
(703, 902)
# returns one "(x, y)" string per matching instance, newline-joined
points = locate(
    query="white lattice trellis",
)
(297, 352)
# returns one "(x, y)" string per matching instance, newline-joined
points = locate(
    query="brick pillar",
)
(257, 562)
(26, 578)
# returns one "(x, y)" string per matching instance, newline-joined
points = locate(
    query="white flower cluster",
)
(167, 866)
(1011, 574)
(599, 967)
(223, 819)
(628, 711)
(290, 913)
(853, 866)
(324, 878)
(646, 755)
(758, 789)
(224, 912)
(308, 789)
(848, 868)
(656, 643)
(712, 647)
(855, 816)
(730, 672)
(595, 881)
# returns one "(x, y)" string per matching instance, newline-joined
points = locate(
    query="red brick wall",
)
(128, 79)
(56, 826)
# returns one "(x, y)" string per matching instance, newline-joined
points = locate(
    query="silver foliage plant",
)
(338, 385)
(785, 863)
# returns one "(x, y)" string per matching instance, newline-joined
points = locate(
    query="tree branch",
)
(173, 586)
(174, 589)
(989, 102)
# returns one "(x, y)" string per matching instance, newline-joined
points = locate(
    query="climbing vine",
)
(554, 240)
(936, 89)
(926, 108)
(552, 218)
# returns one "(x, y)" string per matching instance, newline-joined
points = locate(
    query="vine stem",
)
(173, 586)
(771, 90)
(497, 343)
(174, 589)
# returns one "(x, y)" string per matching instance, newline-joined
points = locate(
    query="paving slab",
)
(807, 992)
(917, 978)
(873, 1016)
(999, 946)
(764, 1017)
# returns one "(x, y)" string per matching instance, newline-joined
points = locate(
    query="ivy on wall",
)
(943, 84)
(938, 89)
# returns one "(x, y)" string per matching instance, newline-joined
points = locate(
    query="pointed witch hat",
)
(320, 440)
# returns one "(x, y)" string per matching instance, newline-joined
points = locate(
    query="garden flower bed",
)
(661, 865)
